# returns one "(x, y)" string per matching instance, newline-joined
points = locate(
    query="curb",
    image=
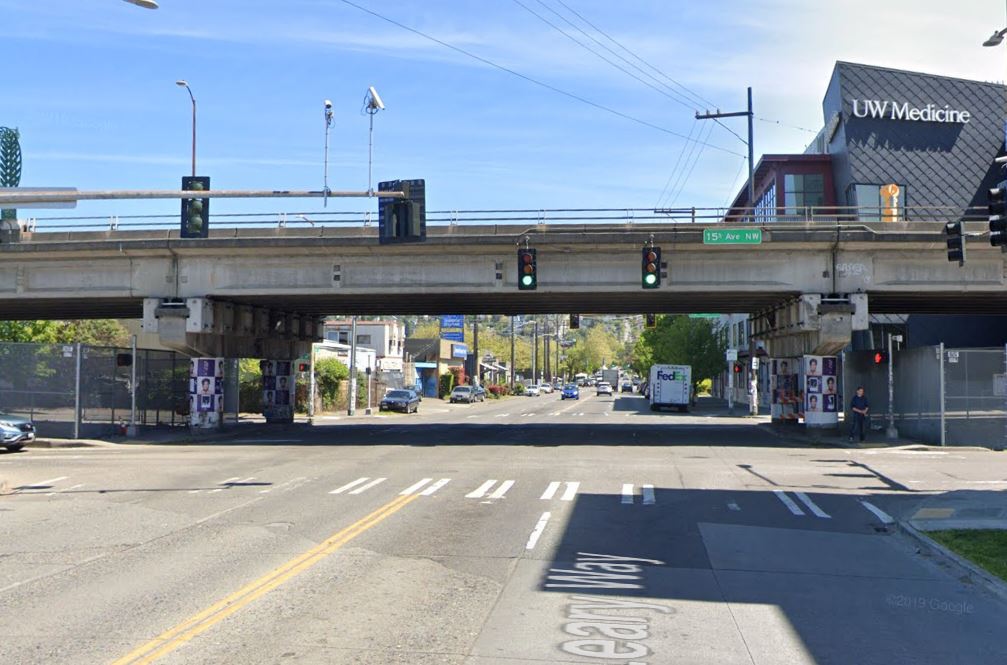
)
(976, 574)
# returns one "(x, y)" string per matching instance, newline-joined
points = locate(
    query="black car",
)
(405, 401)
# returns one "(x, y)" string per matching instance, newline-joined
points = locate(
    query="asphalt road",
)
(519, 531)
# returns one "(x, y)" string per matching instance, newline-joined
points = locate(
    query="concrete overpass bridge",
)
(260, 292)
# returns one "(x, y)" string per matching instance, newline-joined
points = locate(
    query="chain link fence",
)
(955, 397)
(72, 390)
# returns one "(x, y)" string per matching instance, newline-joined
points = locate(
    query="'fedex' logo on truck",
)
(668, 376)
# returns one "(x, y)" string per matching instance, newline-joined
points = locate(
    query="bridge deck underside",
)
(511, 302)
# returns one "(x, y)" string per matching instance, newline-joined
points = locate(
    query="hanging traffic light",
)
(650, 268)
(880, 357)
(195, 212)
(402, 220)
(956, 242)
(737, 368)
(527, 269)
(574, 321)
(998, 216)
(651, 320)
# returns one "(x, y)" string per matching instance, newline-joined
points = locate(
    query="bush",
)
(329, 375)
(446, 385)
(498, 390)
(519, 389)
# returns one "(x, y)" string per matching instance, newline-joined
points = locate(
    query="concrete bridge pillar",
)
(278, 382)
(206, 393)
(811, 324)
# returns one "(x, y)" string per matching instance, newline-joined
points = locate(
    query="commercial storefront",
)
(894, 146)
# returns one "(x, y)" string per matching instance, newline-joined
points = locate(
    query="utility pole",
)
(534, 352)
(891, 432)
(352, 407)
(751, 146)
(475, 349)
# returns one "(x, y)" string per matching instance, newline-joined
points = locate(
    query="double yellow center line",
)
(199, 623)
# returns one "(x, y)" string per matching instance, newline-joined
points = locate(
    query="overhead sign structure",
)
(732, 236)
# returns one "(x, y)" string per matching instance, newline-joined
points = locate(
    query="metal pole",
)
(730, 387)
(891, 432)
(534, 353)
(370, 151)
(352, 407)
(132, 389)
(76, 398)
(69, 196)
(311, 385)
(751, 156)
(512, 353)
(475, 349)
(369, 375)
(940, 358)
(193, 131)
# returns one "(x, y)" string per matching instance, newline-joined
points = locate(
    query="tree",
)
(94, 332)
(680, 340)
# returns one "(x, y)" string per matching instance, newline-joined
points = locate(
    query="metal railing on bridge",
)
(552, 216)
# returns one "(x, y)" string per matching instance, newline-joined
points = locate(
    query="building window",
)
(802, 192)
(364, 340)
(344, 337)
(765, 207)
(875, 203)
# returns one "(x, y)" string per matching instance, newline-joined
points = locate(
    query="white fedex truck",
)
(670, 386)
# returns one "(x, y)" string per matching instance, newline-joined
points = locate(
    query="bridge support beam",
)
(811, 324)
(202, 327)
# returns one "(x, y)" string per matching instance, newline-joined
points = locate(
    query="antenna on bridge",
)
(325, 174)
(372, 104)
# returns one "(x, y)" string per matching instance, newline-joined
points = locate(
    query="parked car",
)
(466, 394)
(15, 431)
(644, 388)
(480, 393)
(546, 388)
(626, 387)
(405, 401)
(570, 391)
(532, 390)
(603, 388)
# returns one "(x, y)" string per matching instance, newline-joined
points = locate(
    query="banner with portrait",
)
(277, 390)
(784, 386)
(822, 402)
(206, 392)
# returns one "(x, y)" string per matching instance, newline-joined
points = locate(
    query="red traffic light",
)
(880, 357)
(302, 367)
(737, 368)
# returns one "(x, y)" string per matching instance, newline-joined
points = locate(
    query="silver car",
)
(15, 432)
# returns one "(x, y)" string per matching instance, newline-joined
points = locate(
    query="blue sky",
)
(91, 87)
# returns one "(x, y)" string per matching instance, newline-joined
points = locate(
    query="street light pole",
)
(185, 84)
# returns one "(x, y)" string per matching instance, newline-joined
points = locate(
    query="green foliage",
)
(329, 375)
(595, 348)
(679, 340)
(446, 384)
(95, 332)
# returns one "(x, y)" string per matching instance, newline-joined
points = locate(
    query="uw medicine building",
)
(895, 146)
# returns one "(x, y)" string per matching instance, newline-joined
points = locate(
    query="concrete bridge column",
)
(206, 393)
(278, 380)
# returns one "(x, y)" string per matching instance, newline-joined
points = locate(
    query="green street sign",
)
(732, 236)
(704, 316)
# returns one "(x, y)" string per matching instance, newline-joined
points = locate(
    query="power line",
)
(674, 169)
(671, 93)
(617, 43)
(731, 185)
(685, 181)
(785, 124)
(525, 77)
(730, 130)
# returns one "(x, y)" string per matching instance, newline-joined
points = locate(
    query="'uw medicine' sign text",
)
(890, 110)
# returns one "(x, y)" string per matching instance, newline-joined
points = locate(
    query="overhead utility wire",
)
(674, 95)
(617, 43)
(542, 84)
(685, 166)
(674, 169)
(716, 120)
(692, 168)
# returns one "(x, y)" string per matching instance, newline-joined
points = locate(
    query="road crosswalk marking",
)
(364, 488)
(340, 490)
(806, 500)
(480, 491)
(436, 486)
(649, 499)
(415, 487)
(627, 493)
(501, 491)
(880, 514)
(537, 531)
(788, 502)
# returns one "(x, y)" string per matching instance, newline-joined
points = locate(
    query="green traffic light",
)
(527, 280)
(650, 279)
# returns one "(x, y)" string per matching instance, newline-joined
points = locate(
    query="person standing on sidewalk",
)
(859, 406)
